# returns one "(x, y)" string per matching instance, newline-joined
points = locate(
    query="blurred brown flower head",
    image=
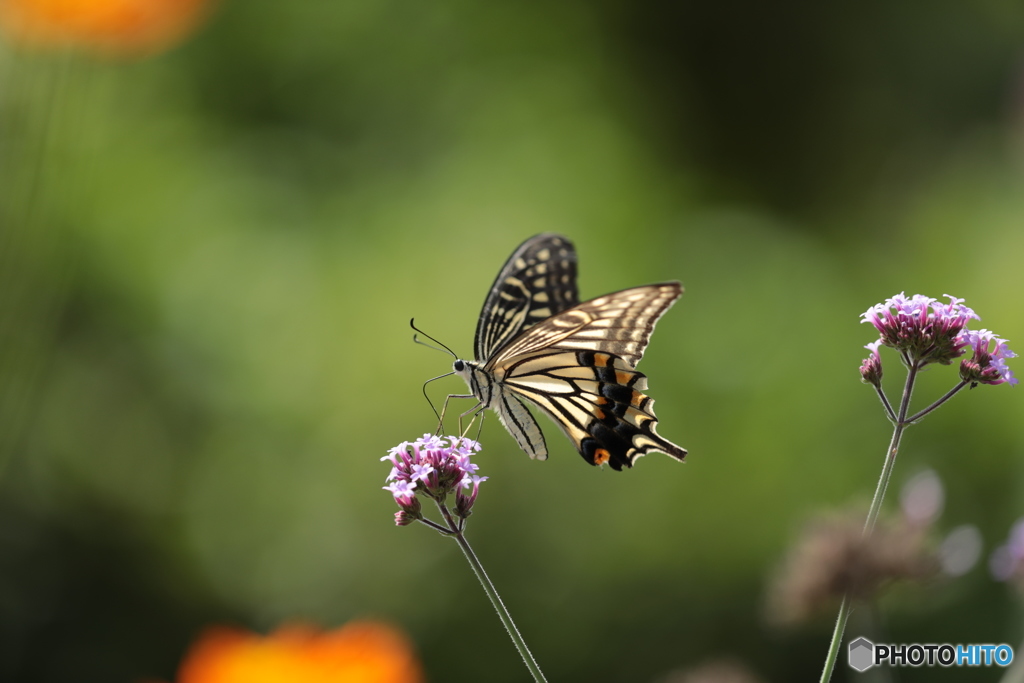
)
(359, 652)
(833, 558)
(109, 26)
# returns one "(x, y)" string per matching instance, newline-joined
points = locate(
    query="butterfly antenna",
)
(412, 324)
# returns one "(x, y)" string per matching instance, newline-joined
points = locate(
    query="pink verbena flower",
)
(987, 365)
(434, 466)
(464, 501)
(921, 327)
(405, 495)
(871, 367)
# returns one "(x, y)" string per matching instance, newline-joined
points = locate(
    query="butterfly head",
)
(464, 369)
(478, 381)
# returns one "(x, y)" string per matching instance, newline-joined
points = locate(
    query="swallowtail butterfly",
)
(575, 361)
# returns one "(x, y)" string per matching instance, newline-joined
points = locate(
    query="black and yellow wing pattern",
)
(575, 361)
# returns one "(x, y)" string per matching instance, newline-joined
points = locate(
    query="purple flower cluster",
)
(988, 363)
(922, 327)
(434, 466)
(925, 330)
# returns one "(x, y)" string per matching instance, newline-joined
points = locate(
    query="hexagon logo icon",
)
(861, 654)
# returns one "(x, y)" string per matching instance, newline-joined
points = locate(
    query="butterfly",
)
(574, 361)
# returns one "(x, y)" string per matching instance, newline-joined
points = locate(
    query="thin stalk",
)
(845, 606)
(837, 640)
(885, 402)
(948, 395)
(492, 593)
(437, 527)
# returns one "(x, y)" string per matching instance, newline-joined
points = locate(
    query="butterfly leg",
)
(476, 410)
(444, 409)
(480, 427)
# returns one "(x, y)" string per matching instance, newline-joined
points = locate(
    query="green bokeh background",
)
(210, 257)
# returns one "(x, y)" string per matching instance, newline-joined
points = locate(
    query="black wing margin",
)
(537, 281)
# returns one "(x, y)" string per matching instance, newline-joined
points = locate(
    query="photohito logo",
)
(863, 654)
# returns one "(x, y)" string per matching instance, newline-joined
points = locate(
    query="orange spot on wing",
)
(601, 456)
(601, 360)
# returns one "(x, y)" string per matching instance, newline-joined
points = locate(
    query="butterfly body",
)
(575, 361)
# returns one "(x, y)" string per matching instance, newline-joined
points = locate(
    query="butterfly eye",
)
(458, 366)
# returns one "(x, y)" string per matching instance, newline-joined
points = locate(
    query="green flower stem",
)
(492, 593)
(949, 394)
(435, 526)
(837, 639)
(885, 402)
(900, 425)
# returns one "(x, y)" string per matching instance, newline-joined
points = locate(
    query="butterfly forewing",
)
(620, 323)
(537, 281)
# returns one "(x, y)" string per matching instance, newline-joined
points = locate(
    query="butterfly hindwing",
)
(537, 281)
(521, 425)
(596, 398)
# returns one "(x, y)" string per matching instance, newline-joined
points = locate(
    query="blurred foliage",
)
(210, 258)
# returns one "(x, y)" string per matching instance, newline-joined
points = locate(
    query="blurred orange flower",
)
(125, 26)
(359, 652)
